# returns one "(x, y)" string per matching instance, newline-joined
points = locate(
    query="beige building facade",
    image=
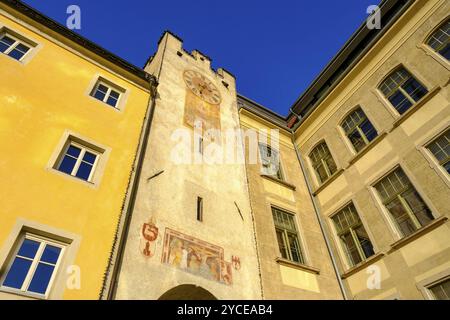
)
(347, 197)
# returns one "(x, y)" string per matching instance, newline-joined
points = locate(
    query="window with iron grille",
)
(441, 291)
(322, 162)
(287, 236)
(440, 40)
(402, 90)
(358, 129)
(353, 235)
(404, 203)
(270, 161)
(440, 148)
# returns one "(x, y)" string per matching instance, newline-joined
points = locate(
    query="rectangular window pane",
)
(295, 248)
(84, 171)
(369, 130)
(418, 207)
(364, 241)
(281, 244)
(356, 140)
(441, 291)
(399, 213)
(41, 278)
(67, 164)
(51, 254)
(414, 89)
(17, 273)
(28, 248)
(400, 102)
(5, 43)
(350, 247)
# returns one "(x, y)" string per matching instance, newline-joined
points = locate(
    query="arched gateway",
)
(187, 292)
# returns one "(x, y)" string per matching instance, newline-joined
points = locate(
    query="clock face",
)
(202, 87)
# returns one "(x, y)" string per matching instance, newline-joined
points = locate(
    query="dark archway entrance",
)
(187, 292)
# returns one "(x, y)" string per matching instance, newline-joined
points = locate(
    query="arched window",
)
(439, 41)
(358, 129)
(323, 162)
(402, 90)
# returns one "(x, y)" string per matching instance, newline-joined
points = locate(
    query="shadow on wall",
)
(187, 292)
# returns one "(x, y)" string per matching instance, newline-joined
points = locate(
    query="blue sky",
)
(274, 48)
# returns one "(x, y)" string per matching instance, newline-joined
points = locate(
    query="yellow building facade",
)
(62, 223)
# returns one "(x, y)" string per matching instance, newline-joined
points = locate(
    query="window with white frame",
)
(13, 46)
(358, 129)
(404, 203)
(322, 162)
(441, 290)
(78, 161)
(270, 161)
(287, 236)
(439, 41)
(440, 148)
(402, 90)
(107, 93)
(33, 266)
(352, 234)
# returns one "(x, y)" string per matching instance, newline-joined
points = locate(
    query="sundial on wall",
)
(202, 87)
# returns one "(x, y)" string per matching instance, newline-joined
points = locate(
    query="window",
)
(323, 162)
(440, 40)
(270, 161)
(353, 235)
(79, 161)
(403, 202)
(358, 129)
(200, 209)
(287, 236)
(107, 93)
(441, 291)
(402, 90)
(13, 47)
(440, 148)
(34, 265)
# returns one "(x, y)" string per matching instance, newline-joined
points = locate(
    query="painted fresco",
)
(201, 113)
(196, 256)
(149, 234)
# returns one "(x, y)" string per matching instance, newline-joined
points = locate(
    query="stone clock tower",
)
(191, 231)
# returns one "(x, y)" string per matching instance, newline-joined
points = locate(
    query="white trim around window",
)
(422, 146)
(109, 92)
(18, 39)
(35, 261)
(85, 145)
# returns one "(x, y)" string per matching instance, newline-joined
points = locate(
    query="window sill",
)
(296, 265)
(422, 231)
(367, 148)
(416, 107)
(328, 182)
(73, 178)
(276, 180)
(362, 265)
(23, 295)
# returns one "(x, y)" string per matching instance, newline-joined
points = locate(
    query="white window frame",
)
(263, 167)
(43, 242)
(108, 93)
(79, 160)
(15, 44)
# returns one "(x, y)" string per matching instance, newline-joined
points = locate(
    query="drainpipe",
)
(110, 285)
(318, 215)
